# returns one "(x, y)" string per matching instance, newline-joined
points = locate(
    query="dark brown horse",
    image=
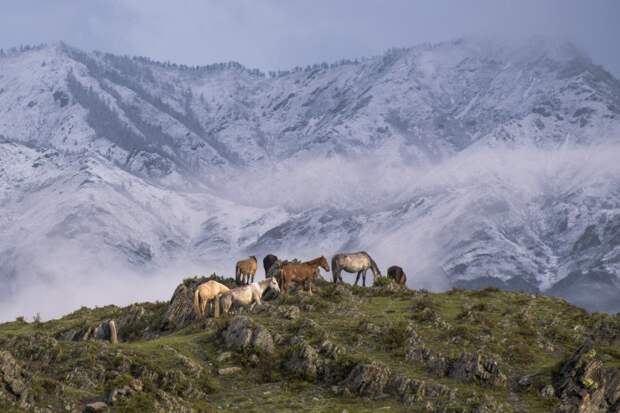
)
(397, 274)
(302, 272)
(268, 262)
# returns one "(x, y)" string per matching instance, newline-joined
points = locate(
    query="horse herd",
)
(249, 293)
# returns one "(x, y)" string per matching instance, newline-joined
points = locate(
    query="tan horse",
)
(206, 293)
(244, 270)
(302, 272)
(247, 295)
(357, 262)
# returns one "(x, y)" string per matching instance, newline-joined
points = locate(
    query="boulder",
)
(242, 334)
(368, 380)
(477, 367)
(303, 361)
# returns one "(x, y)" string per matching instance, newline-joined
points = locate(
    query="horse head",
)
(273, 284)
(324, 264)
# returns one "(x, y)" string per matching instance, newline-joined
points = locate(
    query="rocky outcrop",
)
(180, 310)
(585, 386)
(475, 367)
(242, 334)
(304, 362)
(368, 380)
(13, 379)
(124, 391)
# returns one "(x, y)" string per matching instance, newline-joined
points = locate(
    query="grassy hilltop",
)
(342, 349)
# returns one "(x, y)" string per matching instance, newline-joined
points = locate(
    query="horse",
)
(397, 274)
(247, 295)
(206, 293)
(357, 262)
(268, 261)
(244, 270)
(302, 272)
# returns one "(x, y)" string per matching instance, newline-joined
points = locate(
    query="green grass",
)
(525, 334)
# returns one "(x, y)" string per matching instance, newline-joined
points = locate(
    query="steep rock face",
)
(585, 386)
(128, 162)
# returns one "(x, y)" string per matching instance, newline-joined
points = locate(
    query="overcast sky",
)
(279, 34)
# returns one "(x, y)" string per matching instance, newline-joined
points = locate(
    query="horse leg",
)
(203, 308)
(358, 277)
(364, 277)
(216, 307)
(335, 274)
(257, 300)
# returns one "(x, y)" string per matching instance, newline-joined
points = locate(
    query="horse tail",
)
(335, 269)
(197, 303)
(374, 266)
(237, 273)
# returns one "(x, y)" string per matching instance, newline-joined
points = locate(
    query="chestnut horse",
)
(208, 293)
(357, 262)
(268, 261)
(397, 274)
(302, 272)
(244, 270)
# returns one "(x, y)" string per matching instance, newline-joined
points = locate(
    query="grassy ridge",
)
(406, 332)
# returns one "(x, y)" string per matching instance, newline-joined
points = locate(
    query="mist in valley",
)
(408, 213)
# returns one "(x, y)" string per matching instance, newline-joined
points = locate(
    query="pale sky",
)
(280, 34)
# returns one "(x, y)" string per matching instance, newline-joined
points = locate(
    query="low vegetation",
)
(344, 348)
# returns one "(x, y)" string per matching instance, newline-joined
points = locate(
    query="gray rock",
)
(224, 356)
(368, 380)
(114, 395)
(226, 371)
(477, 367)
(303, 362)
(547, 392)
(585, 386)
(12, 377)
(96, 407)
(242, 334)
(291, 312)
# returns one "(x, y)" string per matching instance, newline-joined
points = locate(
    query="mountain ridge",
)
(503, 150)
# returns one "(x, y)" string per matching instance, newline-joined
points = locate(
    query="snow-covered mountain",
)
(470, 163)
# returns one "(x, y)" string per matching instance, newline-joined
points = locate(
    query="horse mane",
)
(316, 261)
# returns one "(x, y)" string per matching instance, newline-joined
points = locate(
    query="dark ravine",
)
(343, 348)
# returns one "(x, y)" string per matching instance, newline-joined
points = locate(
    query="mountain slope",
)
(473, 163)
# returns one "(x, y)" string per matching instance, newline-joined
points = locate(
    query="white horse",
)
(247, 295)
(357, 262)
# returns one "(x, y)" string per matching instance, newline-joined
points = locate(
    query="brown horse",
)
(268, 261)
(397, 274)
(208, 293)
(244, 270)
(302, 272)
